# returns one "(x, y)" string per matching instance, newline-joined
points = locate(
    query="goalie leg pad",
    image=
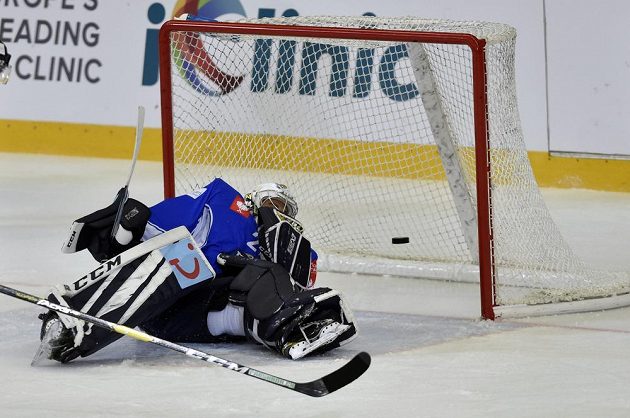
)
(260, 285)
(138, 293)
(282, 316)
(317, 321)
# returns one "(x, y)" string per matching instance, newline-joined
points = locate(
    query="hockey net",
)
(382, 128)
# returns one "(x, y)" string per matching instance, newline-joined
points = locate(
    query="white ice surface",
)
(432, 357)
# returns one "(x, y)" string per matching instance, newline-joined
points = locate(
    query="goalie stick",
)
(123, 194)
(341, 377)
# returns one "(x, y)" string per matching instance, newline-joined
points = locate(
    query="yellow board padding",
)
(581, 173)
(78, 139)
(117, 142)
(290, 153)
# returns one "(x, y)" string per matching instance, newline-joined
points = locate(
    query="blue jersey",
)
(215, 215)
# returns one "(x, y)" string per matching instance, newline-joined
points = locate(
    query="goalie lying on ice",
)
(247, 273)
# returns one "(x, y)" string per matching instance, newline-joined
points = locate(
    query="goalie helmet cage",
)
(381, 127)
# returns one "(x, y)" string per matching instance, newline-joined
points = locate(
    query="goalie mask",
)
(273, 195)
(5, 68)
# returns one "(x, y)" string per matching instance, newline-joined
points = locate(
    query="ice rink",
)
(431, 355)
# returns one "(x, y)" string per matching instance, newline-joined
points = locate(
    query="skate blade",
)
(42, 355)
(44, 351)
(326, 336)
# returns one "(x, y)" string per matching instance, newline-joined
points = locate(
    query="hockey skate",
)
(313, 336)
(57, 341)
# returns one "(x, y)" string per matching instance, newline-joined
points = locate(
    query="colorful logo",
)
(192, 59)
(187, 263)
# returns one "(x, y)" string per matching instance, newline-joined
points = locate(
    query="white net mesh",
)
(357, 130)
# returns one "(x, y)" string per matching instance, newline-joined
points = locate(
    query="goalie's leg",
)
(135, 294)
(281, 315)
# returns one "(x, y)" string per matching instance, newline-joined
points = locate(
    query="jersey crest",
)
(238, 205)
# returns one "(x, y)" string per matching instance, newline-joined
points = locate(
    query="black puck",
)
(400, 240)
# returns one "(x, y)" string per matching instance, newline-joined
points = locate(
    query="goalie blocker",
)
(94, 231)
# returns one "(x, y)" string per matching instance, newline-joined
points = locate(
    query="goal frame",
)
(487, 274)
